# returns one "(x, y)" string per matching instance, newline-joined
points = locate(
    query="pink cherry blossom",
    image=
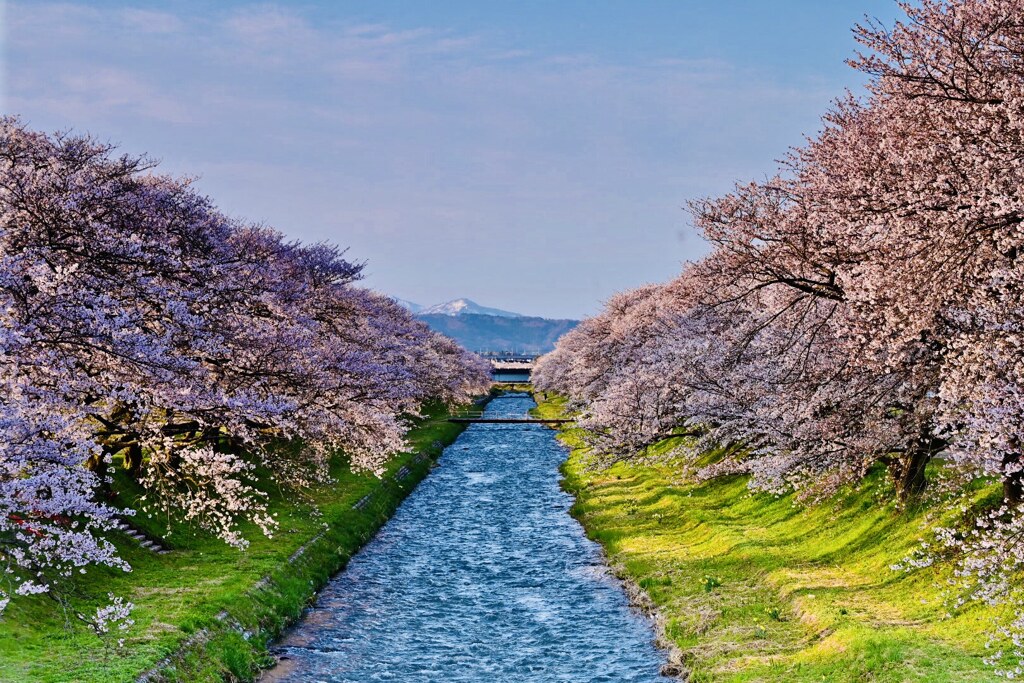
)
(137, 321)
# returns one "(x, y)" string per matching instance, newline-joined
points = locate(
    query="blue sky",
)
(533, 156)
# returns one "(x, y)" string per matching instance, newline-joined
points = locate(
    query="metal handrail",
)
(472, 414)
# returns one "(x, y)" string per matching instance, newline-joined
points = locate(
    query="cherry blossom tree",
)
(864, 306)
(139, 322)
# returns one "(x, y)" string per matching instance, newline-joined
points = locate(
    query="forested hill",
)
(478, 332)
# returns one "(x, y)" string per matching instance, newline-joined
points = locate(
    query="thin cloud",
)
(407, 143)
(150, 21)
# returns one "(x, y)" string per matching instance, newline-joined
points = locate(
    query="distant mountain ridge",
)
(480, 328)
(465, 307)
(410, 306)
(483, 333)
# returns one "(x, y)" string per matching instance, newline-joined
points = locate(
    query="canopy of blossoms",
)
(865, 307)
(141, 328)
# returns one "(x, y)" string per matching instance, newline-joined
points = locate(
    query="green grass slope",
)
(754, 587)
(204, 611)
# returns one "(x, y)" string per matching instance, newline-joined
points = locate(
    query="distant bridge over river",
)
(512, 369)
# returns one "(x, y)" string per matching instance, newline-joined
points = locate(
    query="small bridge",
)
(508, 420)
(512, 365)
(509, 369)
(477, 417)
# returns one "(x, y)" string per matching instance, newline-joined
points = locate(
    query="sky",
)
(531, 155)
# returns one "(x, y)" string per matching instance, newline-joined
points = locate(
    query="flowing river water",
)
(481, 575)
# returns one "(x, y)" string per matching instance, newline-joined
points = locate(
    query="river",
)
(481, 575)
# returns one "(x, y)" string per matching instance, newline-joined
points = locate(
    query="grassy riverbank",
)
(753, 587)
(204, 611)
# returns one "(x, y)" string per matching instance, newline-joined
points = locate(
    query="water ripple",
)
(481, 575)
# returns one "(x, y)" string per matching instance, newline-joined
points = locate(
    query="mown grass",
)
(754, 587)
(205, 594)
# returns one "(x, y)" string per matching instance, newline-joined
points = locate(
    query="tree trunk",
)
(97, 463)
(908, 470)
(133, 459)
(1013, 483)
(909, 477)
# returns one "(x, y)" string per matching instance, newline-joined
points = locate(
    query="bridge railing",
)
(469, 414)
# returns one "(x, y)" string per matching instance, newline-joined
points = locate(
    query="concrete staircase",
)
(140, 538)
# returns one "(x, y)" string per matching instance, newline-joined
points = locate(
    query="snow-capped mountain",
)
(480, 328)
(408, 305)
(464, 307)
